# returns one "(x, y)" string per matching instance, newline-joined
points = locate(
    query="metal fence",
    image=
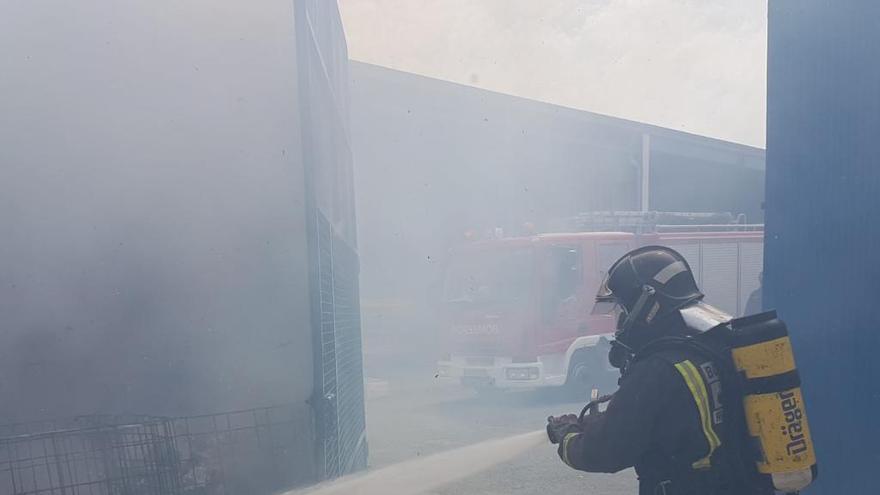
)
(131, 459)
(332, 239)
(241, 452)
(339, 378)
(254, 451)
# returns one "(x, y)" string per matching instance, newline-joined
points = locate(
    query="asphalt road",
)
(410, 414)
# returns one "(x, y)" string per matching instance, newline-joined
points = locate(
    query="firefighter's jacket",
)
(666, 420)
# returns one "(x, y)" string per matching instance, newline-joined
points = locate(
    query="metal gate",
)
(255, 452)
(339, 358)
(90, 458)
(338, 397)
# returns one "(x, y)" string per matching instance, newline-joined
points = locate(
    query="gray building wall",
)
(823, 177)
(436, 159)
(154, 207)
(154, 218)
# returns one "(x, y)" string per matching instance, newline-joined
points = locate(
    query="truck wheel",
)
(588, 370)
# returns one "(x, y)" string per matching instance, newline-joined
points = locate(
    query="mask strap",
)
(639, 308)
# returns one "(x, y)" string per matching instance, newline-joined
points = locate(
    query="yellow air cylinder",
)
(774, 405)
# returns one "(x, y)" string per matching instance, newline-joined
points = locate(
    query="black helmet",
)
(646, 284)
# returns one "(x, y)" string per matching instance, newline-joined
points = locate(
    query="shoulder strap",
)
(736, 455)
(700, 378)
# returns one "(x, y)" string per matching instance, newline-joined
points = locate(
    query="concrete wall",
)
(162, 168)
(153, 209)
(823, 177)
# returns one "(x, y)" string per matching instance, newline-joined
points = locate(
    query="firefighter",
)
(756, 299)
(667, 418)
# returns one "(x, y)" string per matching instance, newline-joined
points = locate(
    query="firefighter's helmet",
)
(645, 285)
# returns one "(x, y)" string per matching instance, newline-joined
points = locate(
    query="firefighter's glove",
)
(559, 426)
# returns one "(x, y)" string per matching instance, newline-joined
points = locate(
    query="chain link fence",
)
(252, 451)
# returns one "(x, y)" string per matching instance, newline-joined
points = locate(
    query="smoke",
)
(151, 207)
(692, 65)
(422, 475)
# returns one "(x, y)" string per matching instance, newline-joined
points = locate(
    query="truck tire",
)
(589, 369)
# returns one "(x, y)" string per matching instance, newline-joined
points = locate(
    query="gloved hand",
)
(559, 426)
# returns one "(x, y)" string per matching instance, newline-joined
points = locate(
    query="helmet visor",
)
(606, 303)
(605, 307)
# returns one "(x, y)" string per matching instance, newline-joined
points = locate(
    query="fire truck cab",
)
(518, 310)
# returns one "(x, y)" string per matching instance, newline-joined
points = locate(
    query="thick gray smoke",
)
(150, 206)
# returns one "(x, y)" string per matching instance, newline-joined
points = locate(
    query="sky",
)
(693, 65)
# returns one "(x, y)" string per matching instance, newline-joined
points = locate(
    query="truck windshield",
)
(489, 276)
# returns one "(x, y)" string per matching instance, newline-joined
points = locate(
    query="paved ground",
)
(409, 414)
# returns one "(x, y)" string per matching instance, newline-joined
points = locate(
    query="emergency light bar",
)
(640, 222)
(736, 227)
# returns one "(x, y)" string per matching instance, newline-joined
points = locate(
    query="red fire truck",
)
(518, 310)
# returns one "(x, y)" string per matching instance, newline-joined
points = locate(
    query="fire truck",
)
(517, 310)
